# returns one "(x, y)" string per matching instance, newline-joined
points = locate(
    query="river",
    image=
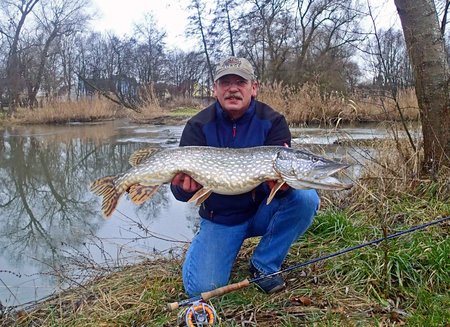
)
(52, 233)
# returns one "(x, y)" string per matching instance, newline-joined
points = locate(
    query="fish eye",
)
(314, 159)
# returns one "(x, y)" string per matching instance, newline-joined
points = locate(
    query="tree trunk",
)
(431, 73)
(230, 30)
(12, 69)
(42, 62)
(205, 45)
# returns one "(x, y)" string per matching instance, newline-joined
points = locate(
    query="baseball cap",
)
(236, 66)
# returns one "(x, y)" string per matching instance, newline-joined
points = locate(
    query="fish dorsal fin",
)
(142, 154)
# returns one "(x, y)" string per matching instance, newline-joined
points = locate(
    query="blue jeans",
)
(214, 249)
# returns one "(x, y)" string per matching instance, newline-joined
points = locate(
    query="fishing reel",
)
(198, 314)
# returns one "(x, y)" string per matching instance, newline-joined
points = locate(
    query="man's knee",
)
(202, 275)
(307, 200)
(201, 281)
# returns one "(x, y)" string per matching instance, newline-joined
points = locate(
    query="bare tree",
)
(17, 12)
(390, 60)
(296, 41)
(431, 73)
(322, 27)
(198, 28)
(225, 19)
(264, 32)
(443, 7)
(150, 53)
(183, 72)
(68, 58)
(56, 18)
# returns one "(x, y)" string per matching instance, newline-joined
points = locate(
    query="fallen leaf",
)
(304, 300)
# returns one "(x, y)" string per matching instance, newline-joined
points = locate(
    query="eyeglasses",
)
(225, 83)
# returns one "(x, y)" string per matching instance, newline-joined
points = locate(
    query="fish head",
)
(304, 170)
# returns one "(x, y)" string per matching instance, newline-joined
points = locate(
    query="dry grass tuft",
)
(150, 107)
(390, 187)
(128, 297)
(308, 104)
(185, 102)
(63, 112)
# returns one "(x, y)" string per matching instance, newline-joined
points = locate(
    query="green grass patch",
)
(430, 308)
(184, 111)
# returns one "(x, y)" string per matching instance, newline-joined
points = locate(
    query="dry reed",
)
(63, 112)
(308, 104)
(149, 108)
(301, 105)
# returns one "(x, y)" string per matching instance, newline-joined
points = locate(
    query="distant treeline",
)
(48, 50)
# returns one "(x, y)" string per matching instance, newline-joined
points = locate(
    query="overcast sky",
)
(120, 16)
(171, 15)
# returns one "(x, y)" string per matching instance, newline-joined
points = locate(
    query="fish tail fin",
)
(106, 187)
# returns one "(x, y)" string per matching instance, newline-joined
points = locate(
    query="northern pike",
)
(226, 171)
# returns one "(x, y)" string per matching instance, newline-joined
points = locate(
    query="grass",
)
(63, 112)
(184, 111)
(403, 281)
(308, 105)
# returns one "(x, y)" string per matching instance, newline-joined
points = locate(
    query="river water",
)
(52, 233)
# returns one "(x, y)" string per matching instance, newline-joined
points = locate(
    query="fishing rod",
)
(205, 313)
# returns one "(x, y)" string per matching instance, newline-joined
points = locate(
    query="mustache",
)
(233, 96)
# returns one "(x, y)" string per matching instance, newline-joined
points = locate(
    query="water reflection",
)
(48, 217)
(51, 226)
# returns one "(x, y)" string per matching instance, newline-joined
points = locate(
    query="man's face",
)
(234, 94)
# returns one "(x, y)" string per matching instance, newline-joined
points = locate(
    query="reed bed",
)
(149, 108)
(309, 105)
(175, 111)
(63, 112)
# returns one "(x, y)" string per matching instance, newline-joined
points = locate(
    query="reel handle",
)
(208, 295)
(172, 306)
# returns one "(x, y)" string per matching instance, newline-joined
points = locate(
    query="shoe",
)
(270, 284)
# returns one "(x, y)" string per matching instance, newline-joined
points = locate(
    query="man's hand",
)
(186, 182)
(272, 184)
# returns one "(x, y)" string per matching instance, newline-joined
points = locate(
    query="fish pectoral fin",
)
(200, 196)
(141, 193)
(203, 198)
(274, 190)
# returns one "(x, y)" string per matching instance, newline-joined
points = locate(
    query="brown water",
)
(51, 228)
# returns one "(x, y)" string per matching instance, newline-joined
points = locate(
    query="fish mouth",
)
(328, 170)
(328, 183)
(319, 178)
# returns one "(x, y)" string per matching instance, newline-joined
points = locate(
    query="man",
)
(237, 120)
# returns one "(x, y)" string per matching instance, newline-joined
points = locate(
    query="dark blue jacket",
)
(260, 125)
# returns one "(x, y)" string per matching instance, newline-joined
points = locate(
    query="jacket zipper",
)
(234, 130)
